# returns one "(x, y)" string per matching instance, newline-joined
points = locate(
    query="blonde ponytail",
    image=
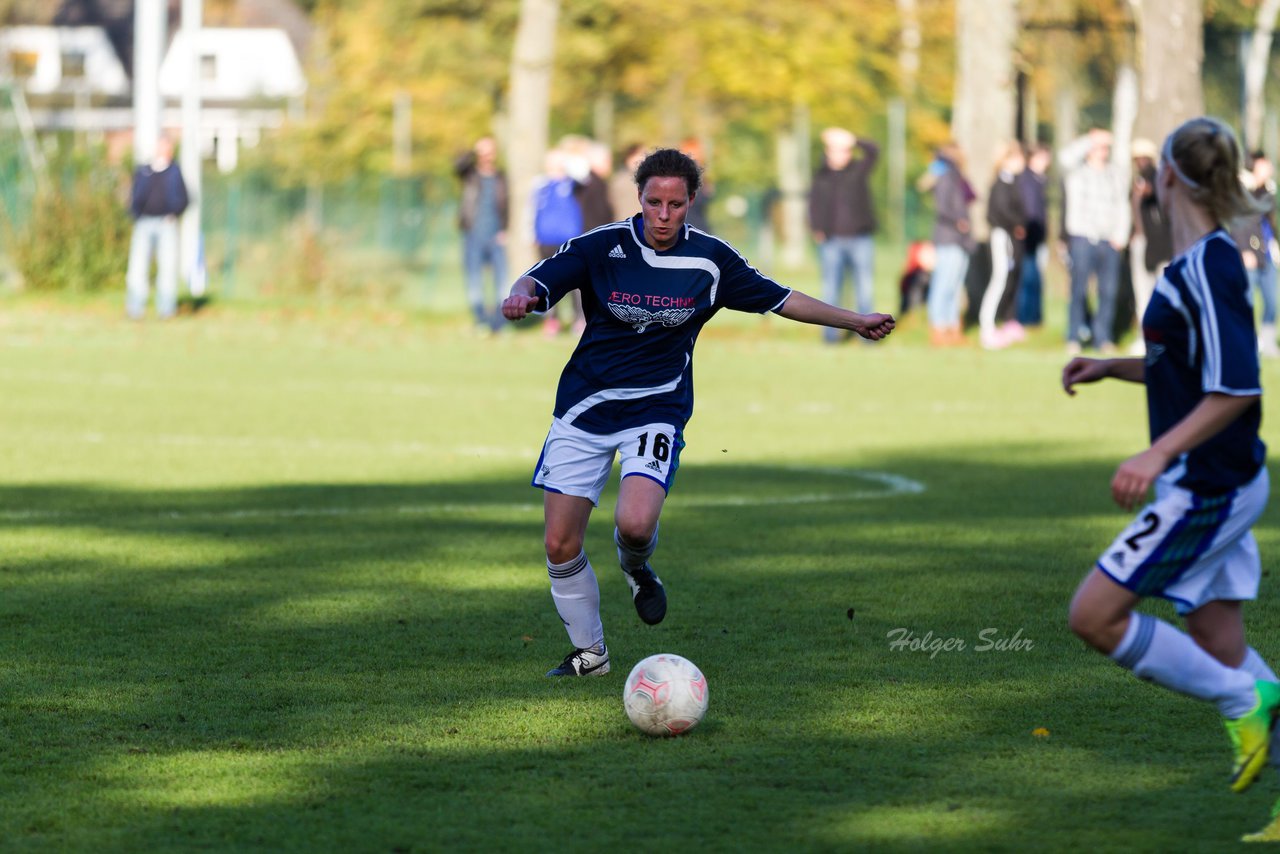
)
(1205, 156)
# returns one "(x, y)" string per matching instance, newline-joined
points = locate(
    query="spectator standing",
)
(1007, 219)
(593, 190)
(1096, 191)
(842, 218)
(622, 187)
(482, 218)
(1151, 246)
(952, 241)
(158, 198)
(1033, 183)
(557, 217)
(1256, 236)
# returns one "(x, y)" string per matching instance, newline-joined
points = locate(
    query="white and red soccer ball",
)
(665, 695)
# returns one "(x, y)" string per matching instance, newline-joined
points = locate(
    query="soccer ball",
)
(665, 695)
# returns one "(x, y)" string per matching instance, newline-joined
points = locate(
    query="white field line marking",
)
(892, 484)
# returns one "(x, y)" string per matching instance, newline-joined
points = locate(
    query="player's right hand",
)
(1081, 370)
(518, 306)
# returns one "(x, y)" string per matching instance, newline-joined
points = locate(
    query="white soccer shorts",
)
(575, 462)
(1191, 549)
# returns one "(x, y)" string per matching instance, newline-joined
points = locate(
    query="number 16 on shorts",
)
(654, 452)
(575, 462)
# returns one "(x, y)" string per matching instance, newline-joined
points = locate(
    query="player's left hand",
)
(875, 326)
(1135, 476)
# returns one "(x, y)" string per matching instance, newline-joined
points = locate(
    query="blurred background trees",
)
(398, 88)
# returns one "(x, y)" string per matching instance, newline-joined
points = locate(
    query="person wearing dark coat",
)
(842, 218)
(1008, 220)
(158, 198)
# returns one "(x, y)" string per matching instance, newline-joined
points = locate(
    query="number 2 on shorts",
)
(1153, 522)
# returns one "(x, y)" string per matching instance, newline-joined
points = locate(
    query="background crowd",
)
(975, 285)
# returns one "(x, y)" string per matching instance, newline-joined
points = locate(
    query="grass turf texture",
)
(276, 585)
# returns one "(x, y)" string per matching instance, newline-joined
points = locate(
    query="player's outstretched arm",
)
(1081, 370)
(523, 299)
(805, 309)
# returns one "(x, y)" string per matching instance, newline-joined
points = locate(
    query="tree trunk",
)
(1256, 62)
(794, 175)
(909, 42)
(1170, 57)
(984, 112)
(532, 59)
(909, 45)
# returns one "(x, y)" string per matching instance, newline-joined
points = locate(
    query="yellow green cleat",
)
(1270, 833)
(1251, 736)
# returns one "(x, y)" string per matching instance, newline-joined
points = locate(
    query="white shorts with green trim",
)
(1191, 549)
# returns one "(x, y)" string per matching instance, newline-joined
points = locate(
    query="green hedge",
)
(75, 236)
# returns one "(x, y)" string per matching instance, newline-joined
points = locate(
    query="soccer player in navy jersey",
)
(1192, 545)
(648, 285)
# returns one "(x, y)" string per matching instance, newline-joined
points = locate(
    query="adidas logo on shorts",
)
(617, 252)
(654, 465)
(1118, 557)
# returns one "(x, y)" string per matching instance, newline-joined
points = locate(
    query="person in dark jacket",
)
(952, 240)
(593, 190)
(1033, 184)
(1151, 245)
(842, 218)
(1008, 220)
(158, 198)
(482, 218)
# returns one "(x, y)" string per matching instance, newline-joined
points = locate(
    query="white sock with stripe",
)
(630, 558)
(577, 597)
(1155, 650)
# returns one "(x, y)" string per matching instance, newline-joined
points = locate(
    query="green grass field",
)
(276, 583)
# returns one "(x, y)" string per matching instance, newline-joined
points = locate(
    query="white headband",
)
(1167, 157)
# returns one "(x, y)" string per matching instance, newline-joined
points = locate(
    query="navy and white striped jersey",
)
(1200, 340)
(644, 310)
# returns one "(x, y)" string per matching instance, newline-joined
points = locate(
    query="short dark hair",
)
(669, 163)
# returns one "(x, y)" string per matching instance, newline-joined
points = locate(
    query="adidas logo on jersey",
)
(654, 465)
(617, 252)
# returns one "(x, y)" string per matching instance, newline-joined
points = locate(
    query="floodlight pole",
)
(150, 21)
(189, 249)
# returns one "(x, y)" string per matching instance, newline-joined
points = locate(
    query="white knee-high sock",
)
(577, 597)
(631, 558)
(1256, 666)
(1155, 650)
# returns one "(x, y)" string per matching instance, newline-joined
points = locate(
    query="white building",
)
(73, 80)
(71, 61)
(248, 80)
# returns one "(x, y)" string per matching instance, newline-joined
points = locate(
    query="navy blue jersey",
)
(1200, 340)
(644, 310)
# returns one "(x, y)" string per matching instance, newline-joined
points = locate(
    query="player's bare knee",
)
(562, 547)
(635, 529)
